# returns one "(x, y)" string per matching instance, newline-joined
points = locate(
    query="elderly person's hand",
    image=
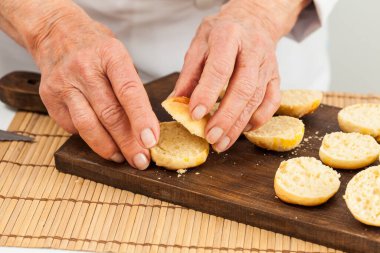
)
(237, 46)
(89, 84)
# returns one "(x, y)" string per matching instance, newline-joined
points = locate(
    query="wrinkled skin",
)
(90, 86)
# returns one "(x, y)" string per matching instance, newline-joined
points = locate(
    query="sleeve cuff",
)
(311, 19)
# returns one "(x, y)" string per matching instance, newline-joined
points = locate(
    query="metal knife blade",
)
(9, 136)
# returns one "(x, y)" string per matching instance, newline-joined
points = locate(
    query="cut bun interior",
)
(363, 196)
(177, 148)
(305, 181)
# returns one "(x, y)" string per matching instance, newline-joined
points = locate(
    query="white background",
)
(354, 29)
(354, 46)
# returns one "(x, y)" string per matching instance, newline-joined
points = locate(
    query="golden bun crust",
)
(348, 150)
(298, 103)
(361, 118)
(280, 133)
(178, 108)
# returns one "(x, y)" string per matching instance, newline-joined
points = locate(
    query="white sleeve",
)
(311, 18)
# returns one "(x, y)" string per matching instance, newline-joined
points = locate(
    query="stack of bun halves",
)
(303, 181)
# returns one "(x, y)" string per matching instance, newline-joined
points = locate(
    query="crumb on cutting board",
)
(181, 171)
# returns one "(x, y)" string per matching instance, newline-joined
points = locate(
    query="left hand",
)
(237, 47)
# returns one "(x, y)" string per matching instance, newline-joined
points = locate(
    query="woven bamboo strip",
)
(137, 224)
(271, 242)
(210, 233)
(153, 222)
(34, 185)
(160, 219)
(42, 207)
(123, 222)
(98, 218)
(16, 174)
(110, 216)
(82, 232)
(46, 208)
(116, 221)
(143, 229)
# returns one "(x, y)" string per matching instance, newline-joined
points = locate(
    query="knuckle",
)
(112, 116)
(128, 145)
(244, 91)
(228, 116)
(206, 94)
(207, 22)
(129, 89)
(244, 117)
(80, 65)
(110, 46)
(259, 42)
(83, 122)
(241, 122)
(220, 70)
(45, 91)
(259, 94)
(67, 93)
(139, 116)
(232, 28)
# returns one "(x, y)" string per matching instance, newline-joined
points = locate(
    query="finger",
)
(234, 132)
(218, 69)
(114, 119)
(132, 96)
(56, 110)
(136, 156)
(192, 69)
(242, 87)
(269, 106)
(99, 93)
(89, 128)
(61, 116)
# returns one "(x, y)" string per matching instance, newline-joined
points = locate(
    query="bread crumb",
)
(179, 175)
(275, 196)
(197, 173)
(181, 171)
(159, 178)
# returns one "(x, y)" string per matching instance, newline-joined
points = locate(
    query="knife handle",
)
(19, 89)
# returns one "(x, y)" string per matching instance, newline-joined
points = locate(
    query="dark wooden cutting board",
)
(237, 184)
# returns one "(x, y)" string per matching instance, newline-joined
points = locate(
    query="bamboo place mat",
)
(41, 207)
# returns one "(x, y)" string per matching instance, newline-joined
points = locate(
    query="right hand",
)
(89, 86)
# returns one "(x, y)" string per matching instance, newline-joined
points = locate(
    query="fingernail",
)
(247, 128)
(147, 137)
(199, 112)
(140, 161)
(117, 158)
(222, 145)
(214, 134)
(171, 94)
